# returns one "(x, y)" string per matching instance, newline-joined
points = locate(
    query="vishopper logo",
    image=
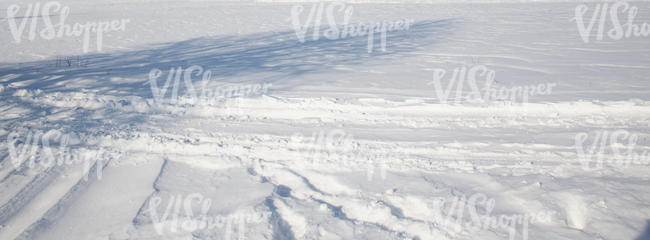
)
(36, 11)
(471, 77)
(343, 30)
(178, 216)
(44, 150)
(604, 13)
(474, 213)
(616, 149)
(336, 148)
(179, 79)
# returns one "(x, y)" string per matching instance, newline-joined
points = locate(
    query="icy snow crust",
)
(344, 143)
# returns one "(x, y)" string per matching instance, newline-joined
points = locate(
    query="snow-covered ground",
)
(233, 120)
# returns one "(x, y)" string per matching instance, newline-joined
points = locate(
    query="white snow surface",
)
(342, 144)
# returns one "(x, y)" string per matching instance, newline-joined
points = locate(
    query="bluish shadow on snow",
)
(646, 234)
(277, 56)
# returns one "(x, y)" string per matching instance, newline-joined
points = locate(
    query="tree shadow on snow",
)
(275, 56)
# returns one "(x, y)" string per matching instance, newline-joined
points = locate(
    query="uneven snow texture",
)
(326, 140)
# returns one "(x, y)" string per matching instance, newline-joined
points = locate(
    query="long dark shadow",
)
(279, 54)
